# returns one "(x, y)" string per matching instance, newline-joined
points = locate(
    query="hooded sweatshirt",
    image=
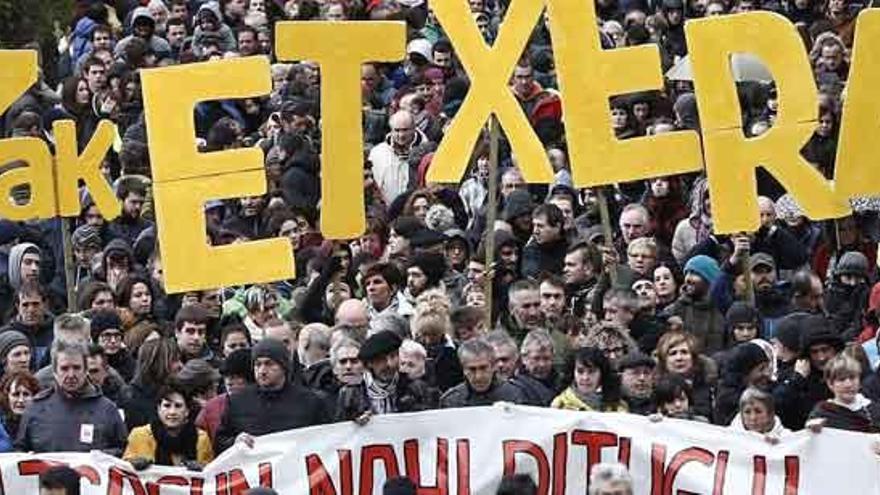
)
(158, 45)
(16, 254)
(223, 35)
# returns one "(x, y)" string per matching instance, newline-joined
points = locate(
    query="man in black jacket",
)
(799, 391)
(481, 386)
(275, 403)
(385, 389)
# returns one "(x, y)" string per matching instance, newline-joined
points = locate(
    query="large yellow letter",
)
(588, 77)
(185, 179)
(489, 69)
(72, 167)
(856, 166)
(340, 48)
(23, 160)
(731, 158)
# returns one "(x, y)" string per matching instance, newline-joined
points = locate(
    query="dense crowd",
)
(765, 332)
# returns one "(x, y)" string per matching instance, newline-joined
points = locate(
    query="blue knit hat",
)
(704, 266)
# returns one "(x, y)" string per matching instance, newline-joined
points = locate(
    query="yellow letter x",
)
(489, 69)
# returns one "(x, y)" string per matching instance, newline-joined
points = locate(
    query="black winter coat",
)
(412, 395)
(796, 396)
(535, 392)
(463, 395)
(260, 412)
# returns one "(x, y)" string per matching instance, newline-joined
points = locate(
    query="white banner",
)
(467, 451)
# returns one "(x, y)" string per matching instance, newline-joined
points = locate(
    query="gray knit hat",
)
(10, 339)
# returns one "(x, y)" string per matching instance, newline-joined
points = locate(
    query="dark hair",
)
(61, 477)
(670, 387)
(442, 45)
(176, 21)
(95, 350)
(551, 212)
(89, 62)
(552, 279)
(388, 271)
(171, 387)
(101, 28)
(231, 329)
(517, 484)
(609, 381)
(192, 313)
(89, 291)
(589, 252)
(128, 187)
(126, 287)
(24, 378)
(30, 289)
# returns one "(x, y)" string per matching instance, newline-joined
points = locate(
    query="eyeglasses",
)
(110, 336)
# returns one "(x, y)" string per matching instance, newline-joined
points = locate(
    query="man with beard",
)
(748, 366)
(695, 311)
(248, 221)
(425, 272)
(384, 389)
(637, 382)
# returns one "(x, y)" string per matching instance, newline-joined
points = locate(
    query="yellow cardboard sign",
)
(184, 179)
(489, 70)
(731, 158)
(588, 77)
(343, 47)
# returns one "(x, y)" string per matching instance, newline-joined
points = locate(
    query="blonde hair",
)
(840, 367)
(674, 339)
(430, 324)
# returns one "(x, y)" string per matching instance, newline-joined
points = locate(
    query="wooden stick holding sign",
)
(607, 231)
(491, 215)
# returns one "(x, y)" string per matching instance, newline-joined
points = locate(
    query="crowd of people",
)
(765, 332)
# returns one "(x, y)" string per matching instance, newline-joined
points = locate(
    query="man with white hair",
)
(313, 353)
(537, 380)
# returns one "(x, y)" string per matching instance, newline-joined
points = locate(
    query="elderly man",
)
(275, 403)
(390, 158)
(506, 353)
(384, 389)
(537, 380)
(637, 382)
(482, 386)
(73, 415)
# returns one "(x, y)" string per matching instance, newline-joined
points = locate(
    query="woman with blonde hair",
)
(678, 354)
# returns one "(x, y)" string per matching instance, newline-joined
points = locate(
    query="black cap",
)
(815, 330)
(379, 344)
(272, 349)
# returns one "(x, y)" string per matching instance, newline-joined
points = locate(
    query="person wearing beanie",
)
(106, 328)
(384, 388)
(637, 382)
(517, 211)
(87, 244)
(237, 372)
(742, 324)
(200, 380)
(748, 366)
(695, 310)
(787, 343)
(801, 390)
(15, 352)
(846, 296)
(425, 272)
(274, 403)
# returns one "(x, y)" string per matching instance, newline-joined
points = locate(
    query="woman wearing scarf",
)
(698, 226)
(172, 439)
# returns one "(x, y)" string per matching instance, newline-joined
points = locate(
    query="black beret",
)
(379, 344)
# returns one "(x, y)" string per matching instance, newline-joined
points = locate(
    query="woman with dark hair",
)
(418, 203)
(158, 360)
(674, 397)
(667, 280)
(17, 391)
(594, 385)
(664, 200)
(135, 300)
(821, 149)
(171, 439)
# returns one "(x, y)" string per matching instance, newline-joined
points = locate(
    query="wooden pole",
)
(491, 215)
(607, 230)
(66, 225)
